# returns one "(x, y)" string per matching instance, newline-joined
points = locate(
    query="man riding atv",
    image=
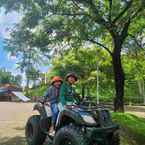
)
(67, 91)
(81, 124)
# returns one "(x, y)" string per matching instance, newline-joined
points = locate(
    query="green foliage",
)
(38, 91)
(7, 78)
(132, 127)
(72, 22)
(84, 62)
(134, 66)
(65, 24)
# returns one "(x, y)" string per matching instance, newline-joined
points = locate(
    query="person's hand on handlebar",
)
(41, 100)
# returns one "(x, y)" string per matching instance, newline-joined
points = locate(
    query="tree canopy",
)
(59, 24)
(6, 77)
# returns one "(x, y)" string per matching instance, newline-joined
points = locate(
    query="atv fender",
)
(68, 116)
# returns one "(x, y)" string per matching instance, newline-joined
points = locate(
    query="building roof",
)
(10, 87)
(7, 88)
(12, 90)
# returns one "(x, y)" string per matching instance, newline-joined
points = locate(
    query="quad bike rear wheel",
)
(69, 135)
(115, 139)
(34, 135)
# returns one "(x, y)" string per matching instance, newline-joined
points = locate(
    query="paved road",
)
(136, 110)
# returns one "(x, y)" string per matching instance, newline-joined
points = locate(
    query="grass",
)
(132, 128)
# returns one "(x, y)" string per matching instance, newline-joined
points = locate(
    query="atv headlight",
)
(88, 119)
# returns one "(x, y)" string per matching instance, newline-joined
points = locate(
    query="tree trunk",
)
(141, 90)
(83, 90)
(88, 91)
(139, 87)
(119, 78)
(27, 83)
(27, 86)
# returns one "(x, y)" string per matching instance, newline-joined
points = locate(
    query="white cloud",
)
(11, 57)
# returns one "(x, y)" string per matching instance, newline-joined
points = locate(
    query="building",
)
(6, 92)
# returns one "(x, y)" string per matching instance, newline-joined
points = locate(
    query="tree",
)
(26, 46)
(84, 63)
(117, 23)
(18, 80)
(134, 65)
(32, 75)
(76, 22)
(105, 15)
(6, 77)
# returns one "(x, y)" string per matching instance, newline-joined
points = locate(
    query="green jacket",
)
(67, 93)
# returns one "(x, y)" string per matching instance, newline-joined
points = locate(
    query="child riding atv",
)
(52, 96)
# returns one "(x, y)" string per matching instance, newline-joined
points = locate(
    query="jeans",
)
(55, 111)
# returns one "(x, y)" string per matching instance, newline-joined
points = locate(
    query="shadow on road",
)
(19, 128)
(18, 140)
(13, 141)
(135, 108)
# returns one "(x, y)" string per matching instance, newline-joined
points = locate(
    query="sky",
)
(7, 22)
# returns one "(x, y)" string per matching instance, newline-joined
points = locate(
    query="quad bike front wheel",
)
(69, 135)
(34, 135)
(114, 139)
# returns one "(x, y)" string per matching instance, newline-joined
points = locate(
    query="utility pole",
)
(97, 83)
(45, 78)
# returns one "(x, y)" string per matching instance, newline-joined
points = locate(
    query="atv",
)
(83, 124)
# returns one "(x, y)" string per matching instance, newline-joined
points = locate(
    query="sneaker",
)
(52, 133)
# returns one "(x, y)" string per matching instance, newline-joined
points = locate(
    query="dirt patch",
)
(13, 117)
